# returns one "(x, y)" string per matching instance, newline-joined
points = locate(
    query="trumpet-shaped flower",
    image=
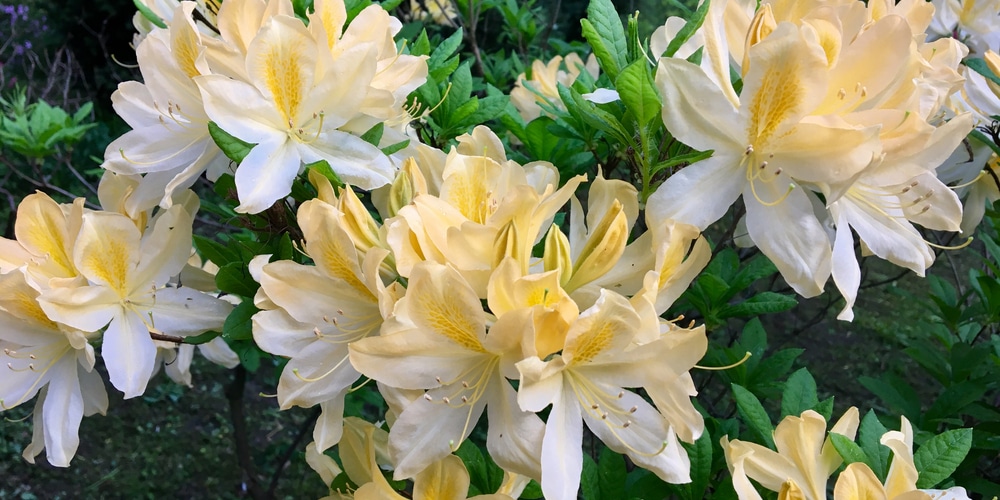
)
(765, 149)
(586, 383)
(542, 87)
(169, 140)
(126, 272)
(803, 463)
(53, 361)
(292, 112)
(311, 314)
(437, 341)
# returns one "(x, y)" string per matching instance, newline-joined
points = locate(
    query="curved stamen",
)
(727, 367)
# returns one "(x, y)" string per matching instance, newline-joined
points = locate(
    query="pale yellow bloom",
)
(542, 87)
(312, 313)
(437, 341)
(126, 272)
(803, 462)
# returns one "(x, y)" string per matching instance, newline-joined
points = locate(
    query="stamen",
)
(982, 173)
(842, 94)
(956, 247)
(321, 377)
(727, 367)
(263, 395)
(428, 397)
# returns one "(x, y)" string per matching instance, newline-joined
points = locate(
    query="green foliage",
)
(37, 130)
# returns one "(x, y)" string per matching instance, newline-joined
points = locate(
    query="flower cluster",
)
(577, 326)
(819, 136)
(298, 94)
(805, 459)
(465, 283)
(73, 272)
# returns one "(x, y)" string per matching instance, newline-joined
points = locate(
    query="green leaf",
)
(532, 491)
(825, 408)
(234, 278)
(940, 456)
(201, 339)
(978, 134)
(475, 464)
(149, 14)
(239, 325)
(374, 134)
(754, 415)
(954, 399)
(603, 28)
(848, 450)
(441, 62)
(979, 66)
(611, 471)
(214, 251)
(323, 168)
(762, 303)
(249, 354)
(688, 158)
(869, 436)
(687, 31)
(799, 394)
(594, 116)
(234, 148)
(636, 89)
(395, 148)
(590, 479)
(700, 454)
(895, 392)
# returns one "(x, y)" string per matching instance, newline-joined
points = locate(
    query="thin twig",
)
(287, 455)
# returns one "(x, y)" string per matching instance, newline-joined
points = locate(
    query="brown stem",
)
(234, 393)
(166, 338)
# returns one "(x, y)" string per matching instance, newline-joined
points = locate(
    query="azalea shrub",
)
(545, 272)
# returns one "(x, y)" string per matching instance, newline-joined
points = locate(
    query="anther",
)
(340, 312)
(763, 165)
(446, 400)
(626, 424)
(595, 406)
(621, 394)
(604, 416)
(465, 384)
(633, 409)
(864, 91)
(438, 379)
(925, 209)
(842, 94)
(465, 399)
(326, 319)
(749, 150)
(428, 397)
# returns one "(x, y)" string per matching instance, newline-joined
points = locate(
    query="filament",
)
(955, 247)
(727, 367)
(982, 173)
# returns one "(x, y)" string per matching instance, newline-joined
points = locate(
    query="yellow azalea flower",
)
(440, 11)
(974, 22)
(437, 340)
(552, 310)
(479, 195)
(126, 274)
(765, 148)
(45, 233)
(803, 463)
(587, 383)
(39, 356)
(542, 87)
(312, 313)
(169, 140)
(292, 112)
